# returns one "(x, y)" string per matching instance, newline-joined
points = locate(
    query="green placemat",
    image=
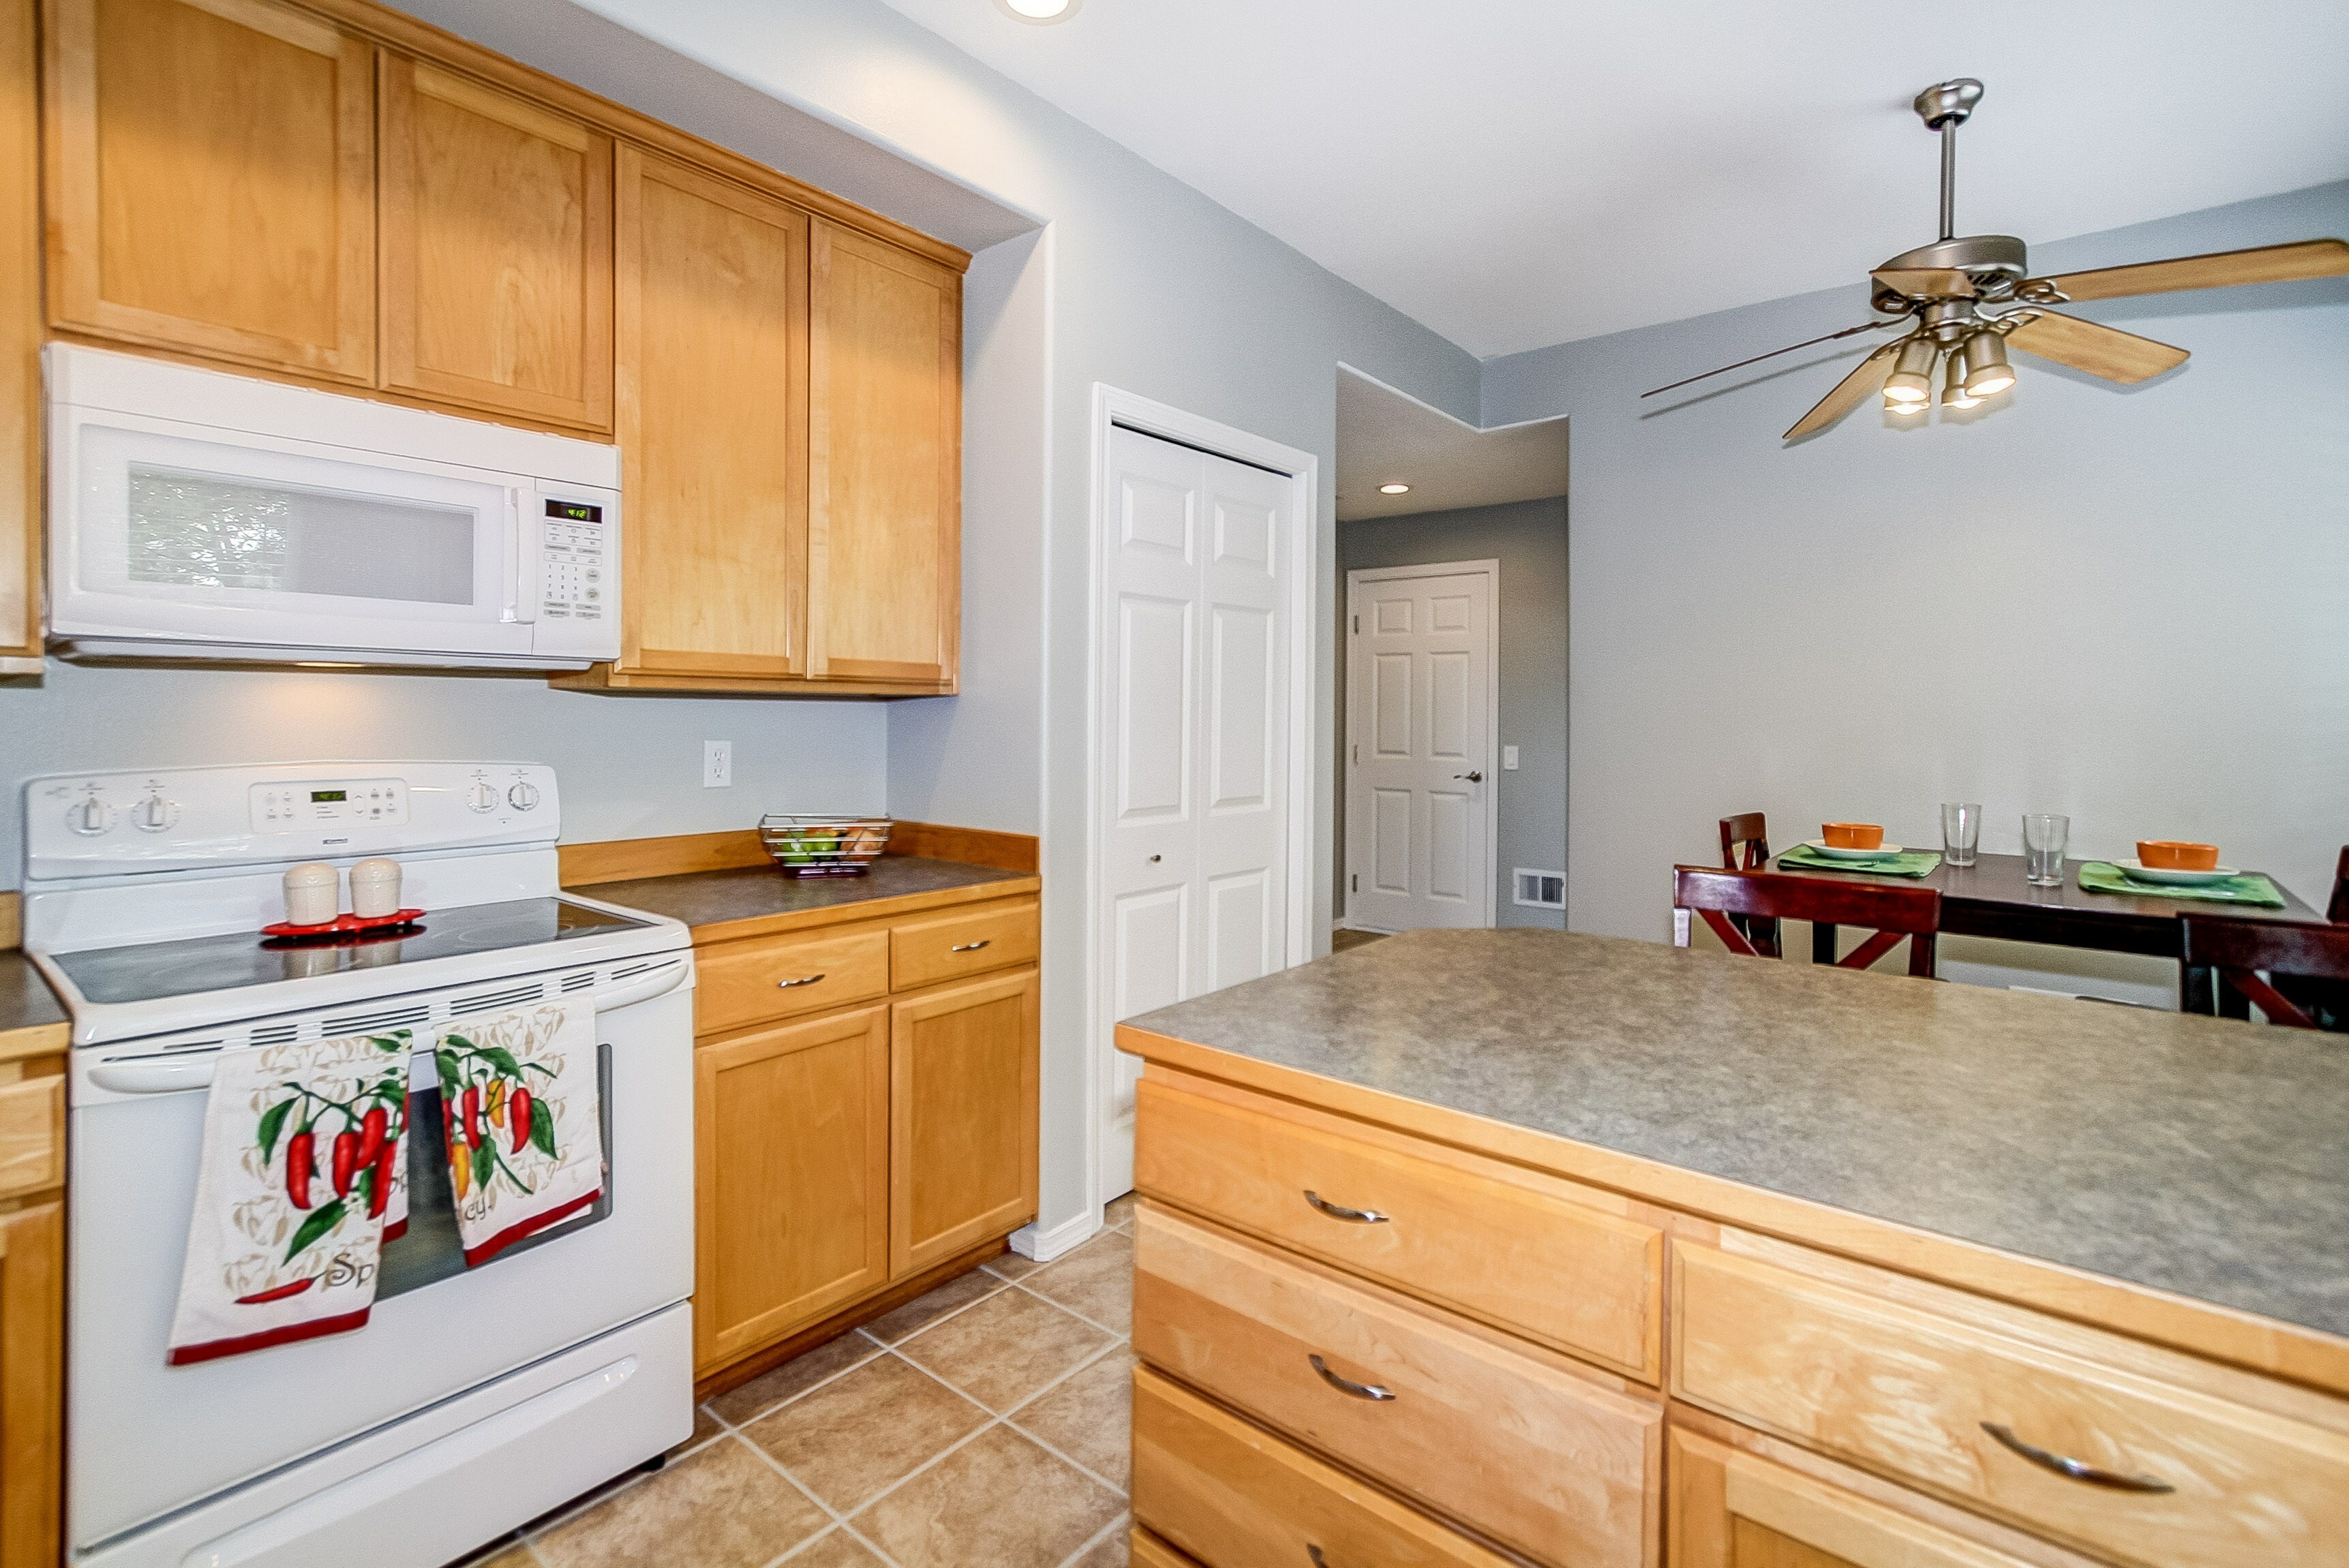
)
(1908, 863)
(2103, 876)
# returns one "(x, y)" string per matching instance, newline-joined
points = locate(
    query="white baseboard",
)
(1043, 1246)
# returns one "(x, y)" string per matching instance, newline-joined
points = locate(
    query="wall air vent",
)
(1541, 890)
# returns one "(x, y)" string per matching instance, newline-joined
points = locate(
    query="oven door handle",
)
(163, 1074)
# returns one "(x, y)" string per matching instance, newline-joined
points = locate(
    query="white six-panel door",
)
(1420, 786)
(1195, 737)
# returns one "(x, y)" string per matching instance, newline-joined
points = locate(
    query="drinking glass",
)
(2043, 834)
(1960, 832)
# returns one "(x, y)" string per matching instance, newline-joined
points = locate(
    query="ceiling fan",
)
(1967, 299)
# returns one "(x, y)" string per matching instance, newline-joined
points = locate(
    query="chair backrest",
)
(1891, 912)
(2240, 949)
(2337, 911)
(1745, 843)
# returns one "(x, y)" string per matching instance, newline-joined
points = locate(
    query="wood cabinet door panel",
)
(211, 181)
(31, 1382)
(20, 336)
(743, 982)
(884, 458)
(712, 326)
(497, 250)
(1732, 1509)
(791, 1178)
(1235, 1496)
(963, 1116)
(33, 1135)
(924, 952)
(1908, 1392)
(1541, 1459)
(1502, 1244)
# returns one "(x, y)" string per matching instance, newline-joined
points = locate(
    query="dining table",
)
(1992, 898)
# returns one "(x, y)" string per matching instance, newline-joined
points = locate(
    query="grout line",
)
(1081, 1469)
(839, 1520)
(1071, 1311)
(1001, 1285)
(1123, 1521)
(765, 1410)
(1027, 1400)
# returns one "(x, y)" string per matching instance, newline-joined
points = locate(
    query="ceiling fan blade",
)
(1926, 283)
(2092, 347)
(1824, 338)
(1849, 392)
(2265, 265)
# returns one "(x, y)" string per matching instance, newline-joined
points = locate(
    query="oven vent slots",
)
(272, 1033)
(365, 1023)
(581, 981)
(513, 996)
(626, 970)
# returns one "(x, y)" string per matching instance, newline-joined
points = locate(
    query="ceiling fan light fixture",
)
(1039, 12)
(1953, 383)
(1989, 374)
(1911, 380)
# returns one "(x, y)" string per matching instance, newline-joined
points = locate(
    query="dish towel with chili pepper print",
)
(520, 1115)
(303, 1174)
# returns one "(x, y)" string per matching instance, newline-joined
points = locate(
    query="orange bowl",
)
(1862, 836)
(2176, 855)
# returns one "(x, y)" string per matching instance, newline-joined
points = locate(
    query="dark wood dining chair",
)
(1891, 912)
(2252, 957)
(1745, 846)
(2337, 911)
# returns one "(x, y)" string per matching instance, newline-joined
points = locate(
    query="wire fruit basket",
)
(823, 846)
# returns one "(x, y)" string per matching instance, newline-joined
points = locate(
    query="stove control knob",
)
(522, 795)
(155, 814)
(89, 817)
(483, 796)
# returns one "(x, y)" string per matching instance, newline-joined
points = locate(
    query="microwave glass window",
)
(194, 531)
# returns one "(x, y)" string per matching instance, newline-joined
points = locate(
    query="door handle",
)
(1472, 778)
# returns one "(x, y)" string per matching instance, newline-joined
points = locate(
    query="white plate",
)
(2136, 872)
(1823, 847)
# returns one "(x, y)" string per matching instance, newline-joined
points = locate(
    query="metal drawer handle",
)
(802, 980)
(971, 946)
(1315, 1553)
(1340, 1212)
(1374, 1392)
(2074, 1467)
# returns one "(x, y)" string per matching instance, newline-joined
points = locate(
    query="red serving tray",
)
(347, 924)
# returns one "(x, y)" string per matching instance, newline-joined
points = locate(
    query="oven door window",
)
(430, 1250)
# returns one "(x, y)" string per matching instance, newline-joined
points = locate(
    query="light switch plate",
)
(717, 765)
(1508, 759)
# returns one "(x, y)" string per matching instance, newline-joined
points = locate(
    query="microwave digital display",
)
(575, 511)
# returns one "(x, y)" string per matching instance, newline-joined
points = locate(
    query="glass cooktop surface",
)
(153, 971)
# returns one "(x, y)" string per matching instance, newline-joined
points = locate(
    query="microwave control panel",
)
(574, 576)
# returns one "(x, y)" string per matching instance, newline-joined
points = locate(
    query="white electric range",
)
(474, 1400)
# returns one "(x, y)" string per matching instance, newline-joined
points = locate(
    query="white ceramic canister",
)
(375, 888)
(313, 893)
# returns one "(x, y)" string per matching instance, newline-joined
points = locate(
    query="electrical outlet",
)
(717, 765)
(1509, 759)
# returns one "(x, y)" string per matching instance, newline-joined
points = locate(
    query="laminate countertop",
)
(31, 1020)
(756, 900)
(2201, 1156)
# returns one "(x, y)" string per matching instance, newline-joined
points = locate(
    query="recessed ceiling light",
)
(1394, 490)
(1040, 13)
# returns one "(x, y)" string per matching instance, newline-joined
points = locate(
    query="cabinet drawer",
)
(1899, 1387)
(1145, 1550)
(32, 1135)
(1235, 1497)
(1520, 1251)
(1541, 1459)
(751, 981)
(923, 952)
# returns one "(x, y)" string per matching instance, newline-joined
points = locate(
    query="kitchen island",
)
(1672, 1256)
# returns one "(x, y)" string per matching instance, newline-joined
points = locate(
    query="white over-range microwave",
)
(194, 514)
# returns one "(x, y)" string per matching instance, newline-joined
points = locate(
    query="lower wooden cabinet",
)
(32, 1381)
(791, 1149)
(962, 1111)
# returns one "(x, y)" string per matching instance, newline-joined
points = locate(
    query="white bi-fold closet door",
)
(1194, 750)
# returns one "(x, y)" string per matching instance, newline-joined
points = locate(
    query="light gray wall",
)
(1529, 538)
(629, 766)
(2129, 604)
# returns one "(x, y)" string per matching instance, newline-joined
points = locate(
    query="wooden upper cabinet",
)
(20, 342)
(211, 181)
(497, 250)
(884, 458)
(712, 326)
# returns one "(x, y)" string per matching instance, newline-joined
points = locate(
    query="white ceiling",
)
(1385, 437)
(1515, 173)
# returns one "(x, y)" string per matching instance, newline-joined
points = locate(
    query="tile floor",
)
(985, 1423)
